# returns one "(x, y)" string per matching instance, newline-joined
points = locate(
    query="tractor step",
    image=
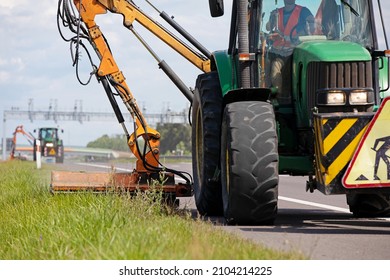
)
(73, 181)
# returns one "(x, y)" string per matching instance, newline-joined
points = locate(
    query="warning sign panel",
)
(370, 165)
(52, 152)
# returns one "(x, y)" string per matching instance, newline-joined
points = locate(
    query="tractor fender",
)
(222, 62)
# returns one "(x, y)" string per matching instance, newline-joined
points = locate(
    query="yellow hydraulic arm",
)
(79, 17)
(88, 10)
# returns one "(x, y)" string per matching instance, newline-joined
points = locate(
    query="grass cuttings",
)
(37, 225)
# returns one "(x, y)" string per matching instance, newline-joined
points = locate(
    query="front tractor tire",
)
(206, 127)
(249, 163)
(60, 155)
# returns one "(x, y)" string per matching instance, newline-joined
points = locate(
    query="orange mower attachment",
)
(73, 181)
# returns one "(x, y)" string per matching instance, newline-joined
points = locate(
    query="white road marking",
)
(323, 206)
(105, 167)
(318, 205)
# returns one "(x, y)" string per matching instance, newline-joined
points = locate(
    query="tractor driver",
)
(285, 25)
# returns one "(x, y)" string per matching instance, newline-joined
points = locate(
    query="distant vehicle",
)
(50, 144)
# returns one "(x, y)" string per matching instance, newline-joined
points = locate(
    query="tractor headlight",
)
(360, 97)
(335, 97)
(345, 96)
(332, 97)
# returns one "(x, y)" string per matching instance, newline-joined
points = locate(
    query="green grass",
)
(37, 225)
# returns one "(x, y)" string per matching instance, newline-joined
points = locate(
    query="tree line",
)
(175, 139)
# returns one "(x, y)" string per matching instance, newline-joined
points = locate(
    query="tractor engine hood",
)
(328, 51)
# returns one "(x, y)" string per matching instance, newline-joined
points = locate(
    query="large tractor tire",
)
(369, 205)
(60, 154)
(249, 163)
(206, 128)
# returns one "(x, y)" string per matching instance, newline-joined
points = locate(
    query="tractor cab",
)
(317, 34)
(48, 134)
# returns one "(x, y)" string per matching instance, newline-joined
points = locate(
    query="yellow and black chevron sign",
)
(336, 138)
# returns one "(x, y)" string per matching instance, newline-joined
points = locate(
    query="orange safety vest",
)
(291, 23)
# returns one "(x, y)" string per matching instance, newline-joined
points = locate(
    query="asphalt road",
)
(318, 226)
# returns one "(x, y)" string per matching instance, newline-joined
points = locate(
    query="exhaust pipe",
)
(243, 42)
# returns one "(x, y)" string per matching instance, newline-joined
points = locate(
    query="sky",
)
(35, 63)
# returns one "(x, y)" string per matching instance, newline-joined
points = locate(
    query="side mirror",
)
(216, 8)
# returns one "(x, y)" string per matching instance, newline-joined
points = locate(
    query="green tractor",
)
(293, 94)
(51, 146)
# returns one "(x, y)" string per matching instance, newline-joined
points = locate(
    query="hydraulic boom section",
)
(144, 142)
(108, 67)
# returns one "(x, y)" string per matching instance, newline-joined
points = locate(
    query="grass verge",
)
(37, 225)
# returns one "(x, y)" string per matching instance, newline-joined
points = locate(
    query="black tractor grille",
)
(325, 75)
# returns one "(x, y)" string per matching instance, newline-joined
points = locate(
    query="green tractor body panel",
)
(318, 51)
(326, 50)
(223, 64)
(383, 77)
